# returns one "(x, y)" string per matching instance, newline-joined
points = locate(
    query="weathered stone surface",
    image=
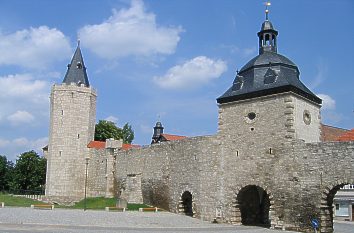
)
(72, 122)
(267, 144)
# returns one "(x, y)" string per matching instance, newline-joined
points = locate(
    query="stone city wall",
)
(169, 169)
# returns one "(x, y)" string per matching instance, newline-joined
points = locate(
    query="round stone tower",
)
(72, 127)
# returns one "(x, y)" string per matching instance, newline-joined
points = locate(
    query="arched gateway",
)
(252, 206)
(186, 204)
(327, 207)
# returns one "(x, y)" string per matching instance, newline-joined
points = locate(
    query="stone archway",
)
(186, 205)
(252, 207)
(327, 207)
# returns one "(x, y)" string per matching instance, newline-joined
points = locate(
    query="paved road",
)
(343, 227)
(19, 220)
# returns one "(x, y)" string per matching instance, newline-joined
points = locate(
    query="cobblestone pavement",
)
(76, 221)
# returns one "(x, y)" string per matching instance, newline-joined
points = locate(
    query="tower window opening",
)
(78, 136)
(251, 115)
(267, 40)
(106, 167)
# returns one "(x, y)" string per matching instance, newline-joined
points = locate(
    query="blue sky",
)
(163, 59)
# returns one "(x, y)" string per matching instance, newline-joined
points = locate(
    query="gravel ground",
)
(65, 220)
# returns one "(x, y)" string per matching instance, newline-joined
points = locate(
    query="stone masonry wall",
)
(291, 176)
(307, 119)
(72, 121)
(169, 169)
(97, 173)
(298, 178)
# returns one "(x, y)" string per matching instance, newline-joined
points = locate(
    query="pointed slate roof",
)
(76, 72)
(268, 73)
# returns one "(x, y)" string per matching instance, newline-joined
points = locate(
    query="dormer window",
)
(78, 65)
(238, 83)
(270, 76)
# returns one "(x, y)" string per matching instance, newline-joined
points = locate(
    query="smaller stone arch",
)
(186, 205)
(253, 205)
(326, 209)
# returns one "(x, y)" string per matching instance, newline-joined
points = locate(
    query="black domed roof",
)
(266, 58)
(267, 25)
(158, 124)
(268, 73)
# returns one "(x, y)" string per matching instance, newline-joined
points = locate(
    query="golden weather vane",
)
(267, 4)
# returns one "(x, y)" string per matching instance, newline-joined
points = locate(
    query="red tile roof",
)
(97, 145)
(129, 146)
(330, 133)
(171, 137)
(348, 136)
(102, 145)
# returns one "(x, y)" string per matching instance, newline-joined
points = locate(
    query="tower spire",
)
(267, 4)
(267, 35)
(76, 72)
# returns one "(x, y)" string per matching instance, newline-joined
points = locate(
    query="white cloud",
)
(23, 99)
(328, 103)
(20, 85)
(192, 73)
(132, 31)
(112, 119)
(34, 47)
(20, 117)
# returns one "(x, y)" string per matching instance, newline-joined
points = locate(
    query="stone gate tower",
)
(72, 122)
(267, 102)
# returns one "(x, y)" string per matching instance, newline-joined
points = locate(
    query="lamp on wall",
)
(86, 163)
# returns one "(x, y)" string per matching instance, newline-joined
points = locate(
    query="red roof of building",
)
(348, 136)
(102, 145)
(330, 133)
(129, 146)
(171, 137)
(97, 145)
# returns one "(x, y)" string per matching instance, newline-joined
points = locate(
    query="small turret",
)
(267, 35)
(158, 130)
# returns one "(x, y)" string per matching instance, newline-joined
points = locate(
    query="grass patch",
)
(99, 203)
(92, 203)
(11, 200)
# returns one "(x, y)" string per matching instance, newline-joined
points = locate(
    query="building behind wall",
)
(344, 203)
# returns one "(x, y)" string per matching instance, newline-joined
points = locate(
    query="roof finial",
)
(78, 42)
(266, 10)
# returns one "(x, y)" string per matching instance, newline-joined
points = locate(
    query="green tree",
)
(108, 129)
(6, 167)
(128, 134)
(3, 171)
(29, 172)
